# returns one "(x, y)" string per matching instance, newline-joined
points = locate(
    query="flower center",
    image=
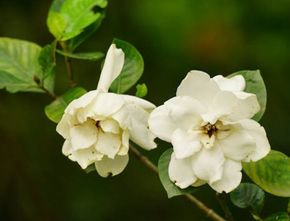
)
(210, 129)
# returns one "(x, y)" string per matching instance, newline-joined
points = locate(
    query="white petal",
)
(236, 83)
(110, 125)
(63, 126)
(180, 172)
(178, 112)
(137, 124)
(198, 85)
(67, 148)
(257, 132)
(83, 135)
(107, 166)
(81, 102)
(112, 67)
(108, 144)
(207, 164)
(107, 104)
(238, 144)
(85, 157)
(230, 179)
(185, 144)
(125, 143)
(148, 106)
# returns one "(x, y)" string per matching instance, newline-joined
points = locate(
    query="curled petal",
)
(110, 126)
(233, 84)
(85, 157)
(199, 85)
(208, 164)
(108, 144)
(180, 172)
(231, 177)
(257, 132)
(83, 135)
(185, 144)
(112, 67)
(111, 167)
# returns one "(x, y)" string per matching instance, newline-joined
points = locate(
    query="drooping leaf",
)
(132, 70)
(255, 85)
(55, 110)
(19, 67)
(272, 173)
(68, 18)
(46, 60)
(73, 43)
(248, 195)
(281, 216)
(141, 90)
(92, 56)
(171, 189)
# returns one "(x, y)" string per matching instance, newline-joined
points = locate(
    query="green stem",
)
(68, 65)
(221, 197)
(207, 211)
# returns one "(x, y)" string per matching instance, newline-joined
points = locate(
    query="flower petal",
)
(238, 144)
(110, 125)
(83, 135)
(178, 112)
(107, 166)
(198, 85)
(231, 177)
(180, 172)
(257, 132)
(233, 84)
(185, 144)
(67, 148)
(138, 127)
(63, 126)
(207, 164)
(113, 65)
(125, 143)
(85, 157)
(148, 106)
(108, 144)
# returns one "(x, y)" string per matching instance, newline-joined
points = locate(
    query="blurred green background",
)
(220, 37)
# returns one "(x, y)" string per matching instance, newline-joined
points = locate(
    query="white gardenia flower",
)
(209, 125)
(97, 126)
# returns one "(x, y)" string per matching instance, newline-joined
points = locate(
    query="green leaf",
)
(272, 173)
(132, 70)
(55, 110)
(88, 32)
(171, 189)
(248, 195)
(68, 18)
(288, 208)
(281, 216)
(92, 56)
(19, 67)
(255, 85)
(141, 90)
(46, 60)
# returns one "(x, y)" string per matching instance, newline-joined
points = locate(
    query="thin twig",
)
(51, 94)
(208, 212)
(221, 197)
(68, 65)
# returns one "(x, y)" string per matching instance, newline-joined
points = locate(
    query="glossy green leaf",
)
(281, 216)
(68, 18)
(55, 110)
(248, 195)
(46, 60)
(73, 43)
(272, 173)
(141, 90)
(255, 85)
(19, 67)
(171, 189)
(132, 70)
(92, 56)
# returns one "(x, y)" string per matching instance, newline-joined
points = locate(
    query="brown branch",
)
(207, 211)
(221, 197)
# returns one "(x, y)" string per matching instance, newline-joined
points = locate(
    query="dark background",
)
(220, 37)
